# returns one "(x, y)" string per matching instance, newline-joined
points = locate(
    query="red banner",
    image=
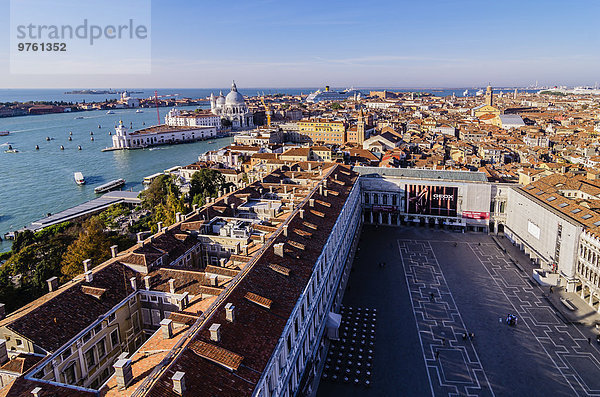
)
(475, 215)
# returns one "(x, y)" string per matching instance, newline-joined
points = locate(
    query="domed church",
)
(233, 108)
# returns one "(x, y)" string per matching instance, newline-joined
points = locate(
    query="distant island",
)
(100, 92)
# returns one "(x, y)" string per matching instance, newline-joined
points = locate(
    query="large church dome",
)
(234, 97)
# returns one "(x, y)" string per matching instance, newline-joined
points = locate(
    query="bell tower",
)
(489, 96)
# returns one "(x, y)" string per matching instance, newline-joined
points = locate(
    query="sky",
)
(267, 43)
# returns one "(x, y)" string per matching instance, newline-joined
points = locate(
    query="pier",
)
(86, 209)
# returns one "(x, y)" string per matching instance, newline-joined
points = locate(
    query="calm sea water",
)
(36, 182)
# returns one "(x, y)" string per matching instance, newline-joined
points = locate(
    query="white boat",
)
(139, 111)
(110, 112)
(79, 118)
(4, 133)
(107, 187)
(11, 150)
(79, 178)
(466, 93)
(479, 93)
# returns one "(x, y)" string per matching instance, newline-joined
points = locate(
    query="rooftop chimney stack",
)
(123, 373)
(285, 230)
(133, 282)
(311, 202)
(36, 392)
(52, 283)
(89, 276)
(214, 281)
(179, 382)
(215, 332)
(166, 326)
(195, 207)
(278, 249)
(114, 250)
(140, 237)
(178, 217)
(301, 214)
(3, 352)
(87, 265)
(159, 225)
(147, 283)
(172, 285)
(222, 262)
(230, 312)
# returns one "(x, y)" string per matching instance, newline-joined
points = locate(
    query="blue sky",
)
(398, 43)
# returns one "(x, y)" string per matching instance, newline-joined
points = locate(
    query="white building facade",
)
(159, 135)
(177, 118)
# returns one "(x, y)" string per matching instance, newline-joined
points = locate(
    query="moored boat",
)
(79, 178)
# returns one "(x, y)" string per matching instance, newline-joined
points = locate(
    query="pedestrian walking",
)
(444, 341)
(437, 354)
(471, 335)
(464, 336)
(551, 290)
(589, 341)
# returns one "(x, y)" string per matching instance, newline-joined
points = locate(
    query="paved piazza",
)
(435, 287)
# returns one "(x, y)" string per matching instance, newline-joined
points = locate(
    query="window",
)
(19, 342)
(111, 318)
(132, 301)
(101, 346)
(114, 338)
(366, 198)
(69, 373)
(87, 337)
(146, 316)
(90, 359)
(154, 298)
(155, 317)
(66, 354)
(143, 298)
(98, 328)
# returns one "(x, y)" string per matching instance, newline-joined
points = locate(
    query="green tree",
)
(92, 244)
(158, 191)
(23, 239)
(206, 183)
(336, 106)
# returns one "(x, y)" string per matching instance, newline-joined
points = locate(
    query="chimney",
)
(325, 193)
(321, 190)
(140, 237)
(114, 250)
(3, 352)
(2, 311)
(195, 207)
(123, 373)
(167, 328)
(226, 200)
(89, 277)
(222, 262)
(147, 283)
(159, 225)
(178, 217)
(245, 249)
(183, 301)
(311, 202)
(285, 230)
(52, 283)
(301, 214)
(279, 249)
(214, 281)
(230, 312)
(215, 332)
(37, 392)
(133, 282)
(172, 285)
(179, 382)
(87, 265)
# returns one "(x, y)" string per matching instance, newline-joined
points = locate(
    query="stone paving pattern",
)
(475, 285)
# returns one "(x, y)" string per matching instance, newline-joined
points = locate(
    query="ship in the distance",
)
(328, 95)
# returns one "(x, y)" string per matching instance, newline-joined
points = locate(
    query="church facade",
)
(232, 108)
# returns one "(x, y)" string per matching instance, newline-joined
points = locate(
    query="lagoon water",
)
(36, 182)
